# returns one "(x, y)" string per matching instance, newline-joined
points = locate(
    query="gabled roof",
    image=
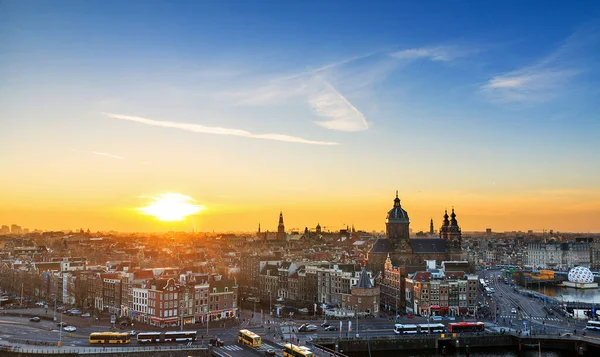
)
(382, 245)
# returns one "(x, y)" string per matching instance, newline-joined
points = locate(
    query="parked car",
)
(70, 329)
(270, 352)
(87, 314)
(513, 311)
(35, 319)
(63, 324)
(40, 303)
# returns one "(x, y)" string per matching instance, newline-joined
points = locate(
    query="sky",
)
(319, 109)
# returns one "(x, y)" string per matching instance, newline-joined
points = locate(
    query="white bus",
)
(593, 325)
(432, 328)
(400, 329)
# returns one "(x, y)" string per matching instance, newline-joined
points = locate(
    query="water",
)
(496, 353)
(569, 294)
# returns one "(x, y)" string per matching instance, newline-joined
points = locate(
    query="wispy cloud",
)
(197, 128)
(437, 53)
(105, 154)
(327, 102)
(545, 79)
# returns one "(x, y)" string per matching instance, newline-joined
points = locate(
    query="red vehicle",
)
(466, 327)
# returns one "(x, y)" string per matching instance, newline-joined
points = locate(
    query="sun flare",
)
(171, 207)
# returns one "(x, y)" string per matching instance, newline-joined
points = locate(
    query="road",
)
(530, 310)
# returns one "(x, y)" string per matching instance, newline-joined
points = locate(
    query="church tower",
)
(318, 229)
(280, 228)
(397, 227)
(450, 231)
(431, 231)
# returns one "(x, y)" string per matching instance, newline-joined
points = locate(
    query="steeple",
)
(431, 231)
(259, 228)
(396, 200)
(453, 221)
(446, 222)
(280, 227)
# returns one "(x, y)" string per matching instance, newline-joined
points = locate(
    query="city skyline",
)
(299, 107)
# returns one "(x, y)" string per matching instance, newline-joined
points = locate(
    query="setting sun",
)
(171, 207)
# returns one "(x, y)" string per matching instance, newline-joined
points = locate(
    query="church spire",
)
(396, 200)
(431, 231)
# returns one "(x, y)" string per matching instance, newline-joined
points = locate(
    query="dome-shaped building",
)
(397, 223)
(581, 275)
(581, 278)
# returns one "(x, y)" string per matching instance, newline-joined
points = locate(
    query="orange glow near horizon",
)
(171, 207)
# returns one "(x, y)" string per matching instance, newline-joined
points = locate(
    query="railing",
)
(97, 350)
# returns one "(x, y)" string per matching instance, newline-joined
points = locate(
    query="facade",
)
(453, 294)
(222, 299)
(391, 283)
(558, 255)
(163, 302)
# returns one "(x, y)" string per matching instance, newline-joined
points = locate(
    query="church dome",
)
(397, 214)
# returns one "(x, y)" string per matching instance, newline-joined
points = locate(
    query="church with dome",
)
(411, 253)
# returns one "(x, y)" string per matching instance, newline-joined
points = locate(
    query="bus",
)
(169, 336)
(400, 329)
(109, 337)
(180, 336)
(466, 327)
(593, 325)
(432, 328)
(249, 338)
(290, 350)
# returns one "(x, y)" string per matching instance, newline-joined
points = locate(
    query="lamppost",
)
(357, 321)
(54, 317)
(270, 308)
(396, 318)
(429, 320)
(60, 333)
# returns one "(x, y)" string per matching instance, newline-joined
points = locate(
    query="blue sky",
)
(453, 98)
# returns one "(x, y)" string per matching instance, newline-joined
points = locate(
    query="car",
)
(310, 328)
(568, 334)
(216, 342)
(63, 324)
(331, 328)
(437, 318)
(35, 319)
(513, 311)
(40, 303)
(325, 324)
(87, 314)
(133, 333)
(70, 329)
(410, 316)
(270, 352)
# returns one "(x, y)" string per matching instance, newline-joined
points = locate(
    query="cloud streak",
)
(342, 115)
(197, 128)
(545, 79)
(105, 154)
(438, 53)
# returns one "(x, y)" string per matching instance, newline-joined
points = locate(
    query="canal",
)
(568, 294)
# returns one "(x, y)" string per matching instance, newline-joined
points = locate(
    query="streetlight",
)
(270, 309)
(356, 320)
